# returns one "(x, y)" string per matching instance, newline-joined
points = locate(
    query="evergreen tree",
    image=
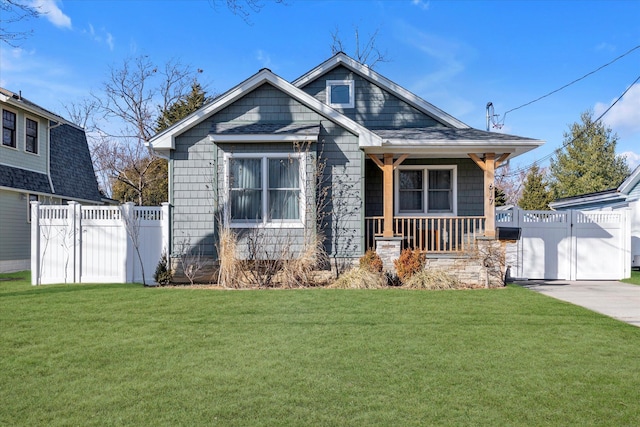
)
(499, 196)
(535, 195)
(182, 108)
(588, 161)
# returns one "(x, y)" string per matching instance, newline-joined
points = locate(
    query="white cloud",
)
(624, 117)
(605, 46)
(424, 5)
(633, 159)
(50, 10)
(264, 58)
(109, 41)
(101, 36)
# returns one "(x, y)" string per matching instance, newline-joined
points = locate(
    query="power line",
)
(565, 144)
(567, 85)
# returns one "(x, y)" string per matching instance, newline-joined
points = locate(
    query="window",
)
(264, 189)
(426, 190)
(31, 134)
(8, 128)
(340, 93)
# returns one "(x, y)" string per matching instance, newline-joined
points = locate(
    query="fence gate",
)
(569, 245)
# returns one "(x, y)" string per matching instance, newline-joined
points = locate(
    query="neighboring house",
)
(43, 157)
(396, 170)
(626, 196)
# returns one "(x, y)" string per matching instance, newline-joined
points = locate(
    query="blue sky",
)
(458, 55)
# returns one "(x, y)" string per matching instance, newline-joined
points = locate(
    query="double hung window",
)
(31, 134)
(264, 189)
(8, 128)
(426, 190)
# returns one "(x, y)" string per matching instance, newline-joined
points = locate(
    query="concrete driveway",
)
(614, 299)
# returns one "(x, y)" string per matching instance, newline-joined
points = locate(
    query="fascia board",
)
(385, 83)
(166, 139)
(630, 182)
(606, 198)
(35, 110)
(269, 137)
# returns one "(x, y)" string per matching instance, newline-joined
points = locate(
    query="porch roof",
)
(264, 132)
(444, 141)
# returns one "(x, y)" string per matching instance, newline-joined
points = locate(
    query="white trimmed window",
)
(31, 136)
(265, 190)
(426, 190)
(9, 128)
(340, 93)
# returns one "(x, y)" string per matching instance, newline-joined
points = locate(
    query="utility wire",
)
(569, 84)
(579, 135)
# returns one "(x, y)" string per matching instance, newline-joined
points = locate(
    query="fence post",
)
(74, 237)
(35, 243)
(164, 225)
(129, 258)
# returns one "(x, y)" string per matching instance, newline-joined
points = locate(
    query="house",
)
(397, 171)
(43, 157)
(626, 196)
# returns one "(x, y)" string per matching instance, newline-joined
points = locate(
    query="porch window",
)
(264, 189)
(426, 190)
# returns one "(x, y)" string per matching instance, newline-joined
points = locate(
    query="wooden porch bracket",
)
(489, 165)
(387, 167)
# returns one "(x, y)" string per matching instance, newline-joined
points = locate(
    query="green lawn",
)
(634, 279)
(129, 355)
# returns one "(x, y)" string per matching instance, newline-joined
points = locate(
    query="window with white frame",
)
(31, 136)
(428, 189)
(340, 93)
(264, 189)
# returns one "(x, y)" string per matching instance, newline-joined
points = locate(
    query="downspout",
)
(53, 190)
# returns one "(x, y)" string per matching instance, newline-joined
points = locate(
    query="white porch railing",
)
(429, 234)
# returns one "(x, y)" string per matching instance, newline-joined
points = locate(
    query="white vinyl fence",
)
(96, 244)
(569, 245)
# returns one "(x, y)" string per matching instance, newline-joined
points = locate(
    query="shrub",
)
(229, 264)
(410, 262)
(359, 278)
(371, 261)
(162, 276)
(392, 279)
(432, 279)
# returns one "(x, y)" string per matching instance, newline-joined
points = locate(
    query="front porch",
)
(429, 234)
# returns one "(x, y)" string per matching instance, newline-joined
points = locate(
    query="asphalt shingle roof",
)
(437, 133)
(71, 168)
(230, 128)
(21, 179)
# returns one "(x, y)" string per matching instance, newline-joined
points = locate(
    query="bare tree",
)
(12, 11)
(366, 53)
(242, 8)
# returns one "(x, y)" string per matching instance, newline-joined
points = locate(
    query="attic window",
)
(340, 93)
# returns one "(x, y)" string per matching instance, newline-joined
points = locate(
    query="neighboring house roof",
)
(17, 100)
(611, 197)
(341, 58)
(21, 179)
(72, 171)
(71, 174)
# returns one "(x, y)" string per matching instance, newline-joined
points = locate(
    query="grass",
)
(127, 355)
(634, 279)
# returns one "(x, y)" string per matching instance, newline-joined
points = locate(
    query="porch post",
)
(489, 195)
(387, 195)
(488, 165)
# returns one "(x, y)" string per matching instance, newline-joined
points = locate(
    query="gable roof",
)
(609, 197)
(367, 73)
(165, 140)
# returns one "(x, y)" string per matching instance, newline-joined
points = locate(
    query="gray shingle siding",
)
(470, 185)
(374, 107)
(14, 228)
(197, 167)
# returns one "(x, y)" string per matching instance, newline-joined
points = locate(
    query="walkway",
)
(614, 299)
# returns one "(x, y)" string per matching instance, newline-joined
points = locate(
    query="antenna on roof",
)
(491, 116)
